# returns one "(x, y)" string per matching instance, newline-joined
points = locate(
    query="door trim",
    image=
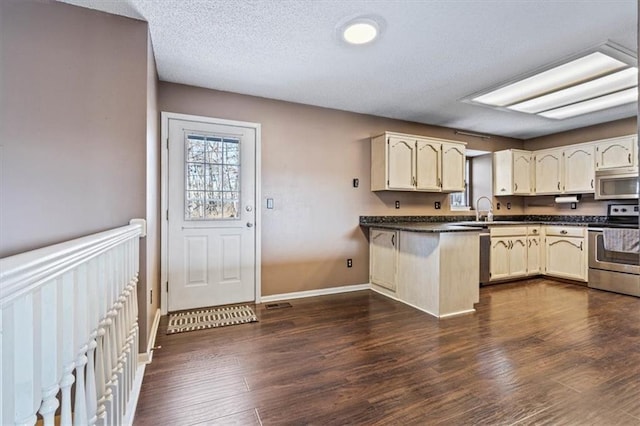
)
(164, 196)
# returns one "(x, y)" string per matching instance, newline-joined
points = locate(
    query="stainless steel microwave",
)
(617, 184)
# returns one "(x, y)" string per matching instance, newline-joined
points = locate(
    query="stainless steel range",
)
(612, 266)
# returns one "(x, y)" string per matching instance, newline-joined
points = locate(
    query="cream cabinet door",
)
(523, 172)
(533, 255)
(618, 152)
(383, 258)
(428, 165)
(401, 163)
(518, 257)
(565, 257)
(499, 258)
(503, 172)
(579, 170)
(453, 161)
(548, 172)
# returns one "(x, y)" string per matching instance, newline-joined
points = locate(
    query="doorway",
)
(210, 200)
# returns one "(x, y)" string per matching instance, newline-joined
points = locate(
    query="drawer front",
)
(505, 231)
(566, 231)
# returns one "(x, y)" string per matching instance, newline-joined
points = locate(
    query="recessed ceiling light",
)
(360, 33)
(361, 29)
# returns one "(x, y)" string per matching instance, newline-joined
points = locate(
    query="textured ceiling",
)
(431, 53)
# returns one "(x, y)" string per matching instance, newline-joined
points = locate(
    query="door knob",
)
(249, 224)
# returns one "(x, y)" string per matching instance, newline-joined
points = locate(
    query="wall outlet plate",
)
(356, 182)
(508, 206)
(497, 206)
(397, 204)
(349, 263)
(437, 205)
(574, 206)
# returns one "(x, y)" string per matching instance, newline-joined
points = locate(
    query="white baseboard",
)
(313, 293)
(130, 412)
(147, 357)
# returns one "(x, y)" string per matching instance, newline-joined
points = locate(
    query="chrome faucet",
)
(489, 212)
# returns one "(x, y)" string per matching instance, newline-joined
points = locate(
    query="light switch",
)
(269, 203)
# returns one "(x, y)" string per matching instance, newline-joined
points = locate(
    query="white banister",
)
(68, 324)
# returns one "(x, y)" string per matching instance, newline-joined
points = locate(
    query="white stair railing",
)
(69, 319)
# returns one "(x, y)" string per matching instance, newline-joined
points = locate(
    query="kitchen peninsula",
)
(430, 266)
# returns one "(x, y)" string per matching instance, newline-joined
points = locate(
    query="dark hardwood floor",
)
(535, 352)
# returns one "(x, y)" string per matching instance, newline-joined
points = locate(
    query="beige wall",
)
(75, 125)
(587, 206)
(149, 289)
(309, 157)
(72, 122)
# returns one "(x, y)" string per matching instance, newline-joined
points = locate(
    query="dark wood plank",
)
(535, 352)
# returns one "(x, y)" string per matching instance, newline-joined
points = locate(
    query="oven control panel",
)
(622, 210)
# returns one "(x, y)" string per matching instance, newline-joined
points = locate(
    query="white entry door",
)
(211, 214)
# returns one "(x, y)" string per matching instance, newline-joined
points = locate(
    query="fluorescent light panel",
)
(601, 86)
(608, 101)
(577, 71)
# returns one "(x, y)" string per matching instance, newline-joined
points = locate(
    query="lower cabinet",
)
(383, 258)
(508, 252)
(566, 252)
(558, 251)
(534, 251)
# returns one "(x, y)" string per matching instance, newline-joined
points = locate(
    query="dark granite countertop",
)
(465, 223)
(423, 227)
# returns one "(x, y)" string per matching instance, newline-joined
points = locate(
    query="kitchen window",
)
(462, 200)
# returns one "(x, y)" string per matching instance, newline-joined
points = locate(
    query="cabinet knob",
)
(558, 186)
(591, 183)
(563, 232)
(516, 186)
(393, 240)
(629, 158)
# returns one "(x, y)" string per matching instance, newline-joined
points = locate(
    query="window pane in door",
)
(212, 177)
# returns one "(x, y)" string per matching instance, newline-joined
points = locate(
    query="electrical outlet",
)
(574, 206)
(508, 206)
(356, 182)
(497, 206)
(436, 205)
(349, 263)
(397, 204)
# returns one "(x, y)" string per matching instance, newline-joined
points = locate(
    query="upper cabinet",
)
(616, 152)
(401, 163)
(453, 159)
(429, 165)
(579, 169)
(548, 164)
(414, 163)
(564, 170)
(513, 172)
